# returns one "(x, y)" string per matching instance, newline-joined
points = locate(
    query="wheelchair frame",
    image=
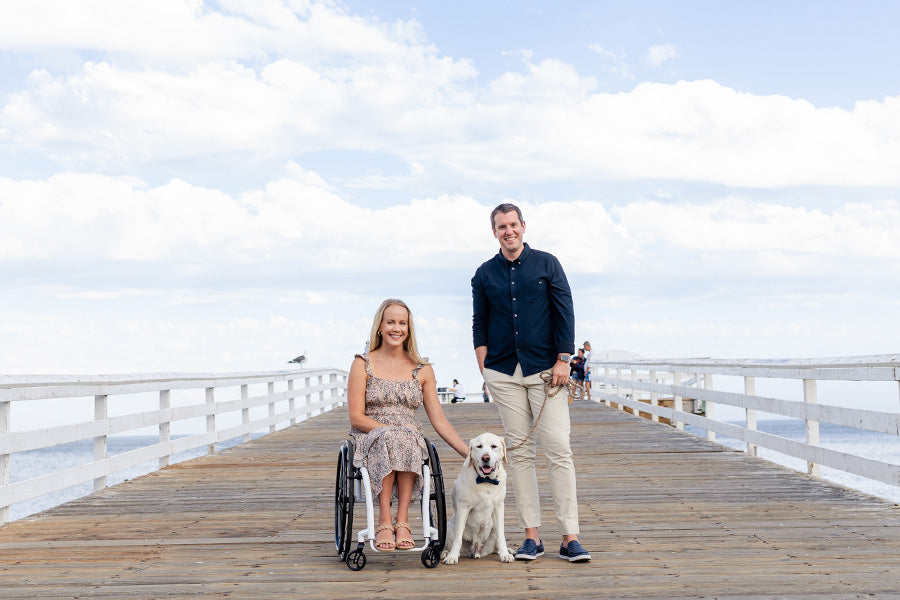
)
(352, 485)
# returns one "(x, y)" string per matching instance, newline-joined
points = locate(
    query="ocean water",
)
(35, 463)
(883, 447)
(879, 446)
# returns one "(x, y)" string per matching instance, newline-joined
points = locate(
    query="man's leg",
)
(554, 430)
(515, 411)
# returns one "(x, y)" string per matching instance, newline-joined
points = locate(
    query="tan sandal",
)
(385, 545)
(405, 543)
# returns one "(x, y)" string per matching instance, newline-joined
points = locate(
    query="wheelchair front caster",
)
(430, 557)
(356, 560)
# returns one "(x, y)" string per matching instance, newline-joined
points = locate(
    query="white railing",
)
(162, 402)
(681, 391)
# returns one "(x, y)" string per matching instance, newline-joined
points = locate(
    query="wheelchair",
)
(352, 485)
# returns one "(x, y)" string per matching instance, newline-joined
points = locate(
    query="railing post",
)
(4, 458)
(619, 388)
(606, 387)
(211, 417)
(332, 380)
(165, 428)
(100, 412)
(271, 390)
(678, 403)
(709, 406)
(750, 390)
(245, 412)
(654, 397)
(291, 402)
(307, 400)
(321, 395)
(810, 396)
(635, 395)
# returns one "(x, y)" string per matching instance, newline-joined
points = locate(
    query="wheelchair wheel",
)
(437, 506)
(343, 500)
(430, 557)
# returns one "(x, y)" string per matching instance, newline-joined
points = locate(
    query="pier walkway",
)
(664, 514)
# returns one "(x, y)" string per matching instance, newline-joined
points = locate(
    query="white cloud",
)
(104, 218)
(661, 53)
(100, 218)
(544, 123)
(522, 54)
(731, 225)
(612, 62)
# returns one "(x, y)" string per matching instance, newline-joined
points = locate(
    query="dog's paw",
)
(506, 556)
(451, 558)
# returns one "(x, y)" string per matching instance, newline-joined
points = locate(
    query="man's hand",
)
(560, 373)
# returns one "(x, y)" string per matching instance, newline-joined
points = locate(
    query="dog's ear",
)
(468, 462)
(503, 446)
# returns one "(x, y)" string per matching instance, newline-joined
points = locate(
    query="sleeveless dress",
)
(399, 446)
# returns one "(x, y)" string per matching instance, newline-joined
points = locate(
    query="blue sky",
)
(218, 186)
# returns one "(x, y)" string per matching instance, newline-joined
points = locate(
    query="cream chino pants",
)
(519, 400)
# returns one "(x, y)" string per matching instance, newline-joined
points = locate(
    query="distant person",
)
(523, 326)
(587, 369)
(386, 386)
(459, 393)
(484, 393)
(576, 366)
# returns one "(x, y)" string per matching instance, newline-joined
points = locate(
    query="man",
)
(523, 324)
(587, 368)
(459, 393)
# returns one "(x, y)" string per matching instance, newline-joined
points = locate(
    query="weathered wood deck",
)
(664, 514)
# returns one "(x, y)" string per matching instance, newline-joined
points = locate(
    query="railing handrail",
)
(869, 359)
(28, 388)
(640, 383)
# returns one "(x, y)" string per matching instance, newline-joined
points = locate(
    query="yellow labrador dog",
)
(477, 499)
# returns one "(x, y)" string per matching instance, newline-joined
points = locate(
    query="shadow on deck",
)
(664, 514)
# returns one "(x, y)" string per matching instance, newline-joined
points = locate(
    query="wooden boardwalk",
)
(664, 514)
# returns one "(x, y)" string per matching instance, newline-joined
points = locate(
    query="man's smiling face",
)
(509, 231)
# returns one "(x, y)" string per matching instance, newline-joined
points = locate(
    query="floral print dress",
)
(399, 446)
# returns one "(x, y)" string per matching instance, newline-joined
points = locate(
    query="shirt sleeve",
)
(563, 309)
(480, 313)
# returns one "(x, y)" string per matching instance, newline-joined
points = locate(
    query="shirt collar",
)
(526, 250)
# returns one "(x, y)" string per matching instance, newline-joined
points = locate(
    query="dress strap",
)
(415, 372)
(365, 357)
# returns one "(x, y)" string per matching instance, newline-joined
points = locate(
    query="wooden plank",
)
(664, 514)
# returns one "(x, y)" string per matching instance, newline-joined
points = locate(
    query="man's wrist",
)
(563, 357)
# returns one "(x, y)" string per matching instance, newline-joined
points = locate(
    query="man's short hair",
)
(504, 208)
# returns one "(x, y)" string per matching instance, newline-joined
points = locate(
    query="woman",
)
(386, 386)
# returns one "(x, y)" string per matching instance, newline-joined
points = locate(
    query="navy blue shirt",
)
(522, 311)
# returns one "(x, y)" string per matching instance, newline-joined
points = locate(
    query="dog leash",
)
(550, 391)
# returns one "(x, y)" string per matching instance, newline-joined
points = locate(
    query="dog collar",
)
(480, 479)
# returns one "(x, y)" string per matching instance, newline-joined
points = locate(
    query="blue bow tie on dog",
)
(480, 479)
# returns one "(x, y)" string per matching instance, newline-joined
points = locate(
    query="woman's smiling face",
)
(395, 325)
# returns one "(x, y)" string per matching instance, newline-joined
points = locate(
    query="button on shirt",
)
(522, 311)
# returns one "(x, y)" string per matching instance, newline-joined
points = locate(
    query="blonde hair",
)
(409, 344)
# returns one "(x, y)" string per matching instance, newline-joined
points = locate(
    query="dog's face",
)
(486, 452)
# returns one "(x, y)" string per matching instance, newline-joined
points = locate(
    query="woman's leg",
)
(384, 535)
(405, 482)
